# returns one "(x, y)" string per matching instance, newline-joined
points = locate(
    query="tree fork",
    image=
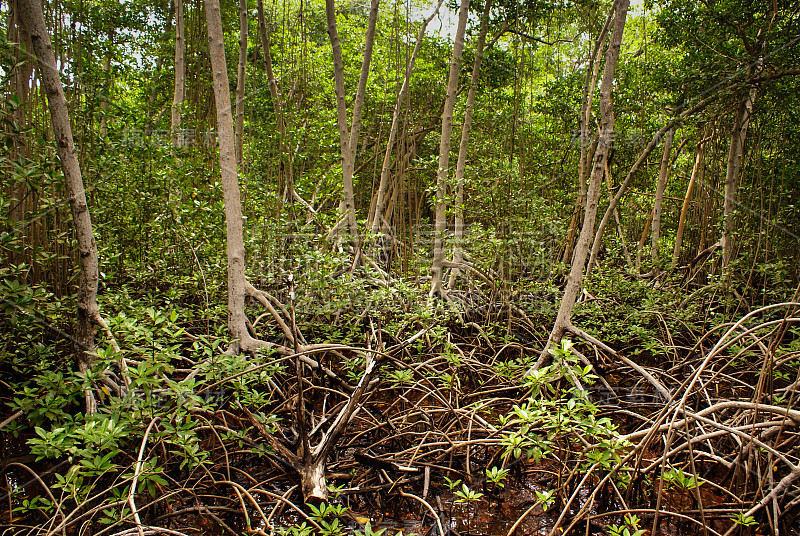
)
(374, 222)
(623, 188)
(587, 96)
(574, 282)
(348, 137)
(463, 147)
(698, 162)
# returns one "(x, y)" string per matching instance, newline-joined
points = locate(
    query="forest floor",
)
(684, 430)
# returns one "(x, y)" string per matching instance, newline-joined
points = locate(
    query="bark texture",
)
(663, 175)
(375, 220)
(240, 81)
(734, 166)
(574, 283)
(620, 230)
(230, 182)
(585, 137)
(180, 76)
(440, 226)
(23, 70)
(698, 163)
(309, 461)
(108, 85)
(88, 310)
(623, 187)
(348, 137)
(461, 163)
(285, 165)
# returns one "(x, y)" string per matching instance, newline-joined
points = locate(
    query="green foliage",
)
(545, 498)
(635, 317)
(95, 445)
(326, 510)
(300, 529)
(744, 521)
(452, 484)
(497, 476)
(328, 517)
(675, 478)
(629, 528)
(552, 416)
(466, 495)
(401, 377)
(368, 531)
(158, 218)
(37, 503)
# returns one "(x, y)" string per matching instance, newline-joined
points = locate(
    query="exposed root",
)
(687, 452)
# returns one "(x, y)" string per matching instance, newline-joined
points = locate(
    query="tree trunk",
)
(338, 77)
(698, 162)
(20, 85)
(623, 188)
(461, 164)
(88, 310)
(240, 80)
(348, 138)
(620, 230)
(663, 174)
(587, 96)
(285, 171)
(108, 85)
(179, 95)
(374, 220)
(440, 225)
(642, 241)
(574, 282)
(230, 182)
(735, 155)
(265, 45)
(22, 72)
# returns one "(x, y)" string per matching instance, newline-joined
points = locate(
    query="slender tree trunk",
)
(698, 163)
(265, 46)
(463, 147)
(623, 188)
(407, 151)
(620, 230)
(338, 77)
(735, 156)
(159, 64)
(240, 81)
(355, 127)
(109, 85)
(663, 175)
(285, 171)
(374, 220)
(643, 241)
(574, 282)
(348, 138)
(22, 72)
(230, 182)
(88, 310)
(180, 76)
(587, 96)
(21, 80)
(440, 225)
